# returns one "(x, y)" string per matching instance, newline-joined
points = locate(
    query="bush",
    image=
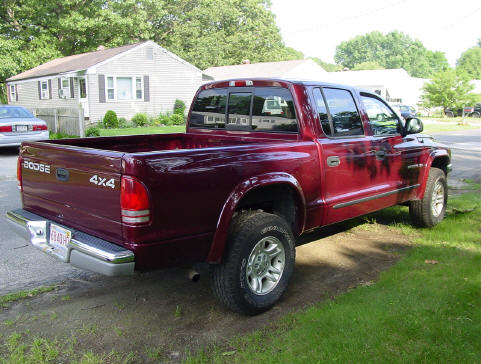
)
(140, 119)
(164, 119)
(110, 119)
(177, 119)
(92, 132)
(179, 107)
(122, 123)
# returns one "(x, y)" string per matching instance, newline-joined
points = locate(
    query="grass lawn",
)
(436, 128)
(145, 130)
(425, 309)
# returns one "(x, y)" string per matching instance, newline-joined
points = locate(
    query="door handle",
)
(333, 161)
(380, 154)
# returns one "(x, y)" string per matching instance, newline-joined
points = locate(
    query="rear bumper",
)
(16, 139)
(84, 251)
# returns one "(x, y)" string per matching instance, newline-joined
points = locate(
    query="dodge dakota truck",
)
(262, 162)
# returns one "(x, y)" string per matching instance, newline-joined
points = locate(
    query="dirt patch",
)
(160, 316)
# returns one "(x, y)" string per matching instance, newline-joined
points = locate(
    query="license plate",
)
(59, 239)
(21, 128)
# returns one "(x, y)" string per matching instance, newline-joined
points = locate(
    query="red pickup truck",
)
(262, 162)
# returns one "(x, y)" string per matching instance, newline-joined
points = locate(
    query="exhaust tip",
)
(193, 275)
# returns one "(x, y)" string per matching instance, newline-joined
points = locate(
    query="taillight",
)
(19, 173)
(5, 129)
(40, 127)
(134, 201)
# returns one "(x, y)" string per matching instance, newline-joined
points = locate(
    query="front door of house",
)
(82, 86)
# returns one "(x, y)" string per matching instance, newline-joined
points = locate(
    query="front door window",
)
(82, 88)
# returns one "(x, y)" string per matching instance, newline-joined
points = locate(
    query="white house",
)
(305, 69)
(394, 85)
(141, 77)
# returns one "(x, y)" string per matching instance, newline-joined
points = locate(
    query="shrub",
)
(179, 107)
(164, 119)
(140, 119)
(110, 119)
(122, 123)
(92, 131)
(177, 119)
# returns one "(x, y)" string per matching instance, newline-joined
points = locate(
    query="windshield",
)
(14, 112)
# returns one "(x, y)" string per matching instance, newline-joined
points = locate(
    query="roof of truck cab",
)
(273, 81)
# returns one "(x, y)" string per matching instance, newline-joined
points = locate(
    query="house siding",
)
(27, 92)
(169, 79)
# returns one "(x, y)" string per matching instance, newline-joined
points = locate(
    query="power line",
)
(453, 24)
(354, 17)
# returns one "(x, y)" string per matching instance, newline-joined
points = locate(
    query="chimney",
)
(101, 48)
(246, 61)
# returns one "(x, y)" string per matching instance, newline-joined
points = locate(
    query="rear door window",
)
(346, 120)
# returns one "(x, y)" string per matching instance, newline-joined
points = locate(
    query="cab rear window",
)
(266, 109)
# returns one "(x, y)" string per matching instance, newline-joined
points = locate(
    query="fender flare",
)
(217, 247)
(435, 154)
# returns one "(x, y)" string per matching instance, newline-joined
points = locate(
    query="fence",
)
(63, 120)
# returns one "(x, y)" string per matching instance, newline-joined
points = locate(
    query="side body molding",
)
(276, 178)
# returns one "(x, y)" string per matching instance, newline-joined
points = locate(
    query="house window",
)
(44, 94)
(138, 88)
(64, 90)
(110, 88)
(124, 88)
(12, 93)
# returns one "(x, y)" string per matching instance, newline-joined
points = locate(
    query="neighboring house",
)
(394, 85)
(305, 69)
(141, 77)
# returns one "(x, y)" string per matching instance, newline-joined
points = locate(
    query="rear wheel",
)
(430, 210)
(258, 264)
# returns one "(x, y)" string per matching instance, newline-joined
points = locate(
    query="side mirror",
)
(413, 126)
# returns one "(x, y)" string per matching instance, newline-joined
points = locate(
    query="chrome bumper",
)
(84, 251)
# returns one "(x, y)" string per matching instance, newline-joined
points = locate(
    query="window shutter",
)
(72, 93)
(39, 91)
(50, 89)
(16, 92)
(146, 89)
(8, 93)
(101, 88)
(59, 86)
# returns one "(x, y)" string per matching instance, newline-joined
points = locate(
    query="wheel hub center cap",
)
(261, 264)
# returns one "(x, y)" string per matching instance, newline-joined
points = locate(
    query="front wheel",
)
(431, 209)
(258, 264)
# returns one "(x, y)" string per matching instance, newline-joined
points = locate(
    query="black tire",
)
(426, 212)
(250, 235)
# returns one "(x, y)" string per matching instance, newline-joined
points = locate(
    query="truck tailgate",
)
(78, 187)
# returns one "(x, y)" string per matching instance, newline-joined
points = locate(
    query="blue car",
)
(18, 125)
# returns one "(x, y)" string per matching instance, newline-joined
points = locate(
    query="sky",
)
(316, 27)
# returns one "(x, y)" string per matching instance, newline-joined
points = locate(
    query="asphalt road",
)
(23, 267)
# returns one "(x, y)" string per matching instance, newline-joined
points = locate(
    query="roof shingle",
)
(72, 63)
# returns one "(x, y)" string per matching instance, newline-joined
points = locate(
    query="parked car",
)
(18, 125)
(235, 195)
(469, 111)
(405, 111)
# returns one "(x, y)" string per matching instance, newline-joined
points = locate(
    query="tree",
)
(329, 67)
(369, 65)
(470, 62)
(449, 89)
(393, 50)
(203, 32)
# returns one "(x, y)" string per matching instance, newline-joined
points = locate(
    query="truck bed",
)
(153, 142)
